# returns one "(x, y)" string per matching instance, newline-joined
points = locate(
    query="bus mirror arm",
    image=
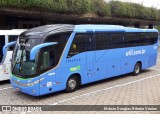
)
(35, 49)
(4, 50)
(8, 45)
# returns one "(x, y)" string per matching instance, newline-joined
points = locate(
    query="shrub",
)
(99, 7)
(78, 6)
(118, 9)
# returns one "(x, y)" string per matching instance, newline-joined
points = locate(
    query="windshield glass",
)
(47, 57)
(21, 64)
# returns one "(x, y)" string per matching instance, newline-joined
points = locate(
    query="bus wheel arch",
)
(137, 68)
(73, 82)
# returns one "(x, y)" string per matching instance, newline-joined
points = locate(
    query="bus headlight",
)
(30, 84)
(35, 82)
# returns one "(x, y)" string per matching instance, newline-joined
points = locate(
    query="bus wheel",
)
(137, 69)
(72, 84)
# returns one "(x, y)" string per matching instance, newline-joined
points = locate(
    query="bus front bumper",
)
(22, 86)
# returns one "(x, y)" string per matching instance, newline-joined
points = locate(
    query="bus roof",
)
(110, 28)
(48, 28)
(43, 30)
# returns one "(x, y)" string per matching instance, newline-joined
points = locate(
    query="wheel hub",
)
(72, 84)
(137, 69)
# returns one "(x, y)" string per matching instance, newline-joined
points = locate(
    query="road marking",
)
(105, 89)
(1, 89)
(154, 69)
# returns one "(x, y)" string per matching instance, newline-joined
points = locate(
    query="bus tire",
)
(72, 84)
(137, 69)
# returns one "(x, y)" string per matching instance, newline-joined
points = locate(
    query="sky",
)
(148, 3)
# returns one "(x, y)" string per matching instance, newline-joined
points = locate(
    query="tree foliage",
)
(99, 7)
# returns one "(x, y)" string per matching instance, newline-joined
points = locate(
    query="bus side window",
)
(12, 38)
(143, 39)
(48, 58)
(152, 38)
(116, 40)
(90, 42)
(102, 41)
(131, 39)
(61, 40)
(2, 43)
(78, 45)
(45, 60)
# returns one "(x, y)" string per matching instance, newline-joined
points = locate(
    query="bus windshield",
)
(21, 64)
(46, 58)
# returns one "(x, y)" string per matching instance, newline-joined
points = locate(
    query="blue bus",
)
(59, 57)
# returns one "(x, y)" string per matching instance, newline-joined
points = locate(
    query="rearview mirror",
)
(35, 49)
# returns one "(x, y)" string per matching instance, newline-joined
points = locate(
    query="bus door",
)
(90, 54)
